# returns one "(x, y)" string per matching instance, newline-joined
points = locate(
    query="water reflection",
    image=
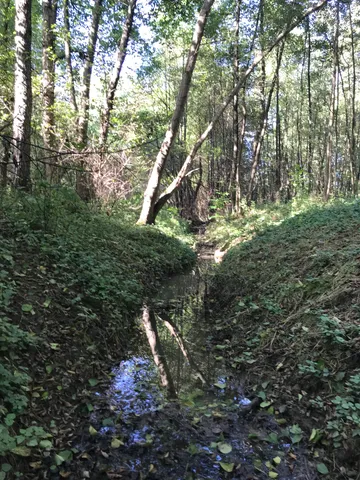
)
(150, 327)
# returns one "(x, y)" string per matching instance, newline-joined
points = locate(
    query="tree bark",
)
(83, 180)
(23, 94)
(86, 81)
(147, 215)
(261, 133)
(331, 122)
(48, 78)
(189, 159)
(235, 157)
(67, 50)
(310, 113)
(115, 75)
(353, 152)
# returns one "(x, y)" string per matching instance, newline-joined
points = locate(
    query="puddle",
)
(144, 432)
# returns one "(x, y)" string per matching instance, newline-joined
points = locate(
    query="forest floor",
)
(71, 282)
(287, 316)
(274, 330)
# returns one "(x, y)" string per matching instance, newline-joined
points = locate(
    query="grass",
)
(288, 310)
(72, 279)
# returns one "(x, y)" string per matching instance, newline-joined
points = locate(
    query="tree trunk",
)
(235, 156)
(147, 215)
(278, 144)
(261, 133)
(67, 50)
(86, 81)
(83, 180)
(310, 114)
(331, 123)
(115, 75)
(48, 78)
(353, 152)
(189, 159)
(23, 94)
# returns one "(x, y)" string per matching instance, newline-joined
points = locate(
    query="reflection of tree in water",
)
(183, 319)
(150, 327)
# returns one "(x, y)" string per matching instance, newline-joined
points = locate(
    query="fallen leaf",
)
(228, 467)
(116, 443)
(224, 448)
(322, 468)
(21, 451)
(220, 385)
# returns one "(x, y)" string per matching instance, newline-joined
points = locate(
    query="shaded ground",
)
(211, 432)
(76, 293)
(287, 307)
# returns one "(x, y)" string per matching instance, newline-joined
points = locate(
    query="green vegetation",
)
(72, 278)
(287, 303)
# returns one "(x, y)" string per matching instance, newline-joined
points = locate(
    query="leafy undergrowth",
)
(287, 305)
(71, 280)
(226, 231)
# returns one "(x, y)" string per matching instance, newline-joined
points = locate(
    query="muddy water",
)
(209, 430)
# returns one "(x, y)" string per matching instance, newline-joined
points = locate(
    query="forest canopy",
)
(229, 101)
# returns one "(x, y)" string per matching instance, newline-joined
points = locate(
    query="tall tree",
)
(67, 52)
(332, 112)
(48, 77)
(175, 184)
(22, 94)
(83, 122)
(151, 193)
(83, 181)
(115, 74)
(260, 134)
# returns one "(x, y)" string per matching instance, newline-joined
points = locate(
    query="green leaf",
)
(66, 455)
(9, 419)
(322, 468)
(58, 459)
(262, 395)
(47, 302)
(220, 385)
(2, 475)
(21, 451)
(192, 449)
(265, 404)
(272, 438)
(273, 475)
(45, 444)
(93, 382)
(26, 307)
(92, 430)
(314, 437)
(228, 467)
(224, 448)
(277, 460)
(32, 442)
(6, 467)
(108, 422)
(116, 443)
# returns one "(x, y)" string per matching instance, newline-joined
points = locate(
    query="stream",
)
(173, 411)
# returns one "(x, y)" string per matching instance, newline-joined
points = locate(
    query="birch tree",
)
(22, 94)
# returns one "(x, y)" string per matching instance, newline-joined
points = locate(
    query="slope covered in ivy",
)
(72, 279)
(287, 309)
